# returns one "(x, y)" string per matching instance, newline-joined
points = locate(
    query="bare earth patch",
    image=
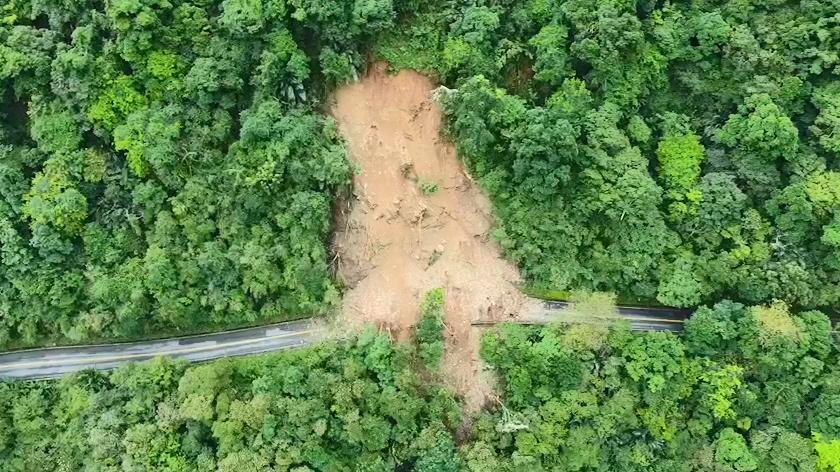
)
(416, 222)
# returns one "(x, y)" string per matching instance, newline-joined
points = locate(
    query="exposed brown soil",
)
(395, 241)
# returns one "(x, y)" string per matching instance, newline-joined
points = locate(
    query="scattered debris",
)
(407, 171)
(399, 241)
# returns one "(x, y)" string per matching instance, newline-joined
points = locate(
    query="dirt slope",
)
(396, 241)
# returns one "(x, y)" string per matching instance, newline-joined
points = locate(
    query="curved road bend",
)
(54, 362)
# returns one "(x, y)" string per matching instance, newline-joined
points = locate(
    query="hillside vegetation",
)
(744, 389)
(163, 164)
(677, 151)
(166, 166)
(339, 406)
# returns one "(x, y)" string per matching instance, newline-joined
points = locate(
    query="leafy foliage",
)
(646, 147)
(744, 389)
(430, 328)
(349, 406)
(164, 164)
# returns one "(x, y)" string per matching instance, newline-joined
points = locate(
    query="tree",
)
(828, 454)
(469, 49)
(430, 329)
(52, 200)
(827, 124)
(713, 332)
(551, 63)
(679, 167)
(681, 286)
(654, 360)
(55, 131)
(761, 134)
(731, 449)
(783, 450)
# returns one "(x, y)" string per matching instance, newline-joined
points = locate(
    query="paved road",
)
(640, 318)
(54, 362)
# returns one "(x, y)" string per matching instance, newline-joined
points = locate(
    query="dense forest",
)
(165, 165)
(355, 405)
(677, 151)
(743, 389)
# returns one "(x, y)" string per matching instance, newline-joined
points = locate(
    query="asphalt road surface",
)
(54, 362)
(640, 318)
(50, 363)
